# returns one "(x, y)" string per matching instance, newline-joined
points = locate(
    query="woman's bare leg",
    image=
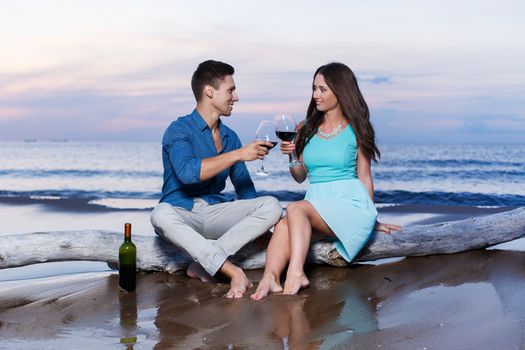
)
(277, 256)
(302, 218)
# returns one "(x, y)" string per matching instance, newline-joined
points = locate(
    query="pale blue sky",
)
(450, 71)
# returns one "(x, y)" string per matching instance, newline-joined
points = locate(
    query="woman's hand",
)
(386, 228)
(287, 147)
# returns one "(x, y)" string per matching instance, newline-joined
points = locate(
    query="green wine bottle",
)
(127, 262)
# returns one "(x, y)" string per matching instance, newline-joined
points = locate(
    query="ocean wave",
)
(424, 198)
(449, 198)
(447, 174)
(79, 173)
(381, 197)
(57, 194)
(449, 163)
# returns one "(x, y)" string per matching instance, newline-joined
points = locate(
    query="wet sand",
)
(458, 301)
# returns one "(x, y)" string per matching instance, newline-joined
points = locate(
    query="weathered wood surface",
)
(153, 254)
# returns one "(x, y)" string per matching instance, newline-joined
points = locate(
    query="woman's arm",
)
(298, 172)
(365, 176)
(364, 173)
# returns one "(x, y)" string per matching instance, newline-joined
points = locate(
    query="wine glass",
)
(286, 129)
(266, 132)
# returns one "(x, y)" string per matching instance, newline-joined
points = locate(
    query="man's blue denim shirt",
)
(186, 142)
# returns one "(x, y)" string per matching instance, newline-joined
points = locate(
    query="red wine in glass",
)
(274, 143)
(287, 136)
(286, 129)
(266, 132)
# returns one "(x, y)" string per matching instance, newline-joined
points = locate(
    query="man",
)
(198, 153)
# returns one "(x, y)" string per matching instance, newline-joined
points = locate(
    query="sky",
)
(431, 72)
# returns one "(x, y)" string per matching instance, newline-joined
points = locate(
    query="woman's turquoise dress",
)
(337, 194)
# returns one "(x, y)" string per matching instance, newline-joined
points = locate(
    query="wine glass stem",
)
(262, 165)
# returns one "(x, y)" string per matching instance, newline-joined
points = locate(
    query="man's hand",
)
(210, 167)
(254, 150)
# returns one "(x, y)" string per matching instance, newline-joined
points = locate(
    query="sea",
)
(129, 175)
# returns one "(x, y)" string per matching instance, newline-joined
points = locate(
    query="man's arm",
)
(190, 169)
(242, 181)
(212, 166)
(187, 167)
(240, 178)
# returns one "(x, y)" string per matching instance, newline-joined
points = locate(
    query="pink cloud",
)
(270, 108)
(7, 113)
(426, 123)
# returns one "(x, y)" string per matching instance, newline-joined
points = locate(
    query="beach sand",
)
(470, 300)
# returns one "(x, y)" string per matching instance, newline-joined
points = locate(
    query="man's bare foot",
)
(238, 285)
(294, 283)
(268, 284)
(195, 270)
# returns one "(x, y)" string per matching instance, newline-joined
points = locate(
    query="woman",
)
(336, 144)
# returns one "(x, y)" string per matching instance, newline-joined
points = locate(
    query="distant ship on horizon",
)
(52, 140)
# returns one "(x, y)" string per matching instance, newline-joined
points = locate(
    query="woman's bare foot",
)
(294, 283)
(195, 270)
(268, 284)
(238, 285)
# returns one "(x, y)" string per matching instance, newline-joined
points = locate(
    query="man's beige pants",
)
(211, 233)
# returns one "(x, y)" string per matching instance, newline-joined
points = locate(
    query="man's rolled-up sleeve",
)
(242, 182)
(241, 179)
(186, 165)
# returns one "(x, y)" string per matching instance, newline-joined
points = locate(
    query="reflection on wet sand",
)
(467, 300)
(189, 318)
(459, 301)
(128, 318)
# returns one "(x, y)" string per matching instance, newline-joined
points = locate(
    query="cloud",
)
(406, 126)
(89, 115)
(108, 70)
(377, 80)
(13, 113)
(515, 124)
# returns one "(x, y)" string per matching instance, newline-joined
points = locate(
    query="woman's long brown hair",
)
(342, 81)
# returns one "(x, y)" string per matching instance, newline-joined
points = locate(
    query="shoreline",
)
(459, 301)
(80, 214)
(464, 300)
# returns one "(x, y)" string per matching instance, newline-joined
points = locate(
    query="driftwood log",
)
(153, 254)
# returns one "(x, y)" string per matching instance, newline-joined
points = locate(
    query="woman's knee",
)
(281, 227)
(296, 208)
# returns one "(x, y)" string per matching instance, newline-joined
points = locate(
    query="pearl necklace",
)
(330, 134)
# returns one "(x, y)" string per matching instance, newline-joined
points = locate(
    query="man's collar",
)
(200, 122)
